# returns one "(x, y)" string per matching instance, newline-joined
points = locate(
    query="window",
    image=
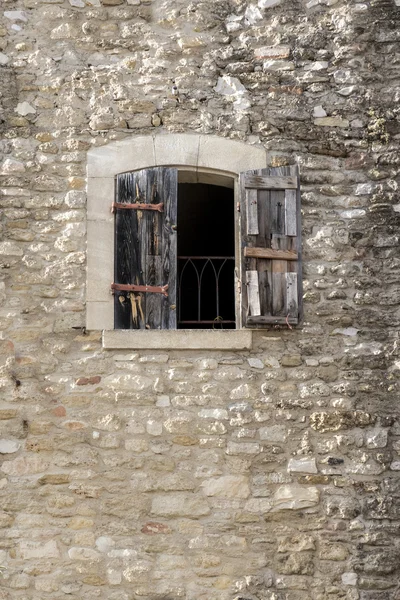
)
(266, 264)
(175, 251)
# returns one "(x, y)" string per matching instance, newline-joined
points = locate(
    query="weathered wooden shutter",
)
(271, 247)
(145, 249)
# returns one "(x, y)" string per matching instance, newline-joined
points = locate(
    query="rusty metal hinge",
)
(137, 206)
(150, 289)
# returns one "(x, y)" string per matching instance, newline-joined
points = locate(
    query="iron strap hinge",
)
(150, 289)
(137, 206)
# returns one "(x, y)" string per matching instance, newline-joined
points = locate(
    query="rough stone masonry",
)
(269, 474)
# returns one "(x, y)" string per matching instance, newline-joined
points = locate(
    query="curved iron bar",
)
(189, 260)
(208, 261)
(199, 274)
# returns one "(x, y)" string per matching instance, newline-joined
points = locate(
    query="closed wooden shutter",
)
(145, 249)
(271, 247)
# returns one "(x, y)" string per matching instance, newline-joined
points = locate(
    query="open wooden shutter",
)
(270, 247)
(145, 249)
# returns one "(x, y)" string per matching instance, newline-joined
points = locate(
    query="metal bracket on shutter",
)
(150, 289)
(138, 206)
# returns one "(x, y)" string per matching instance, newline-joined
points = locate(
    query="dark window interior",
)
(206, 249)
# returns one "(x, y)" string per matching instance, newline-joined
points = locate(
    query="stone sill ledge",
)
(180, 339)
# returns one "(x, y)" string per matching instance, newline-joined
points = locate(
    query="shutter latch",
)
(137, 206)
(150, 289)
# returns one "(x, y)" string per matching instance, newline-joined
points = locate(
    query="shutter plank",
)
(253, 293)
(269, 253)
(169, 183)
(127, 250)
(252, 212)
(292, 308)
(139, 300)
(271, 183)
(290, 213)
(153, 259)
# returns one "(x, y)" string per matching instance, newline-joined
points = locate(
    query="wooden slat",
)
(127, 249)
(271, 183)
(169, 185)
(252, 212)
(253, 293)
(271, 320)
(269, 253)
(292, 308)
(153, 248)
(290, 213)
(139, 301)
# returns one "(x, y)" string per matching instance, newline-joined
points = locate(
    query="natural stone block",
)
(374, 438)
(274, 433)
(295, 564)
(349, 578)
(302, 465)
(272, 52)
(9, 446)
(229, 486)
(291, 360)
(323, 421)
(298, 542)
(25, 465)
(332, 551)
(29, 549)
(331, 122)
(179, 505)
(84, 554)
(295, 497)
(243, 448)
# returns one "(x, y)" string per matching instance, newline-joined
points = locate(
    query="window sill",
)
(180, 339)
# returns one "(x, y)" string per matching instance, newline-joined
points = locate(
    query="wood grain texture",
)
(144, 250)
(271, 183)
(292, 307)
(290, 213)
(271, 254)
(252, 212)
(274, 252)
(253, 293)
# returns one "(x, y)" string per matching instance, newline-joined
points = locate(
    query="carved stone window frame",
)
(205, 158)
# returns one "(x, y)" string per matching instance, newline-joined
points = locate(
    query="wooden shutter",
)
(145, 249)
(270, 247)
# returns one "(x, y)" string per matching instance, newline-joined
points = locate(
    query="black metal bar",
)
(206, 257)
(215, 322)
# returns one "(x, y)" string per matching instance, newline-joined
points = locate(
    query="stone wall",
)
(269, 474)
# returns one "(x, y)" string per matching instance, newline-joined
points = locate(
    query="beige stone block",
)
(179, 505)
(304, 464)
(25, 465)
(100, 265)
(187, 339)
(30, 549)
(100, 196)
(295, 497)
(331, 122)
(229, 486)
(177, 149)
(121, 156)
(231, 156)
(99, 315)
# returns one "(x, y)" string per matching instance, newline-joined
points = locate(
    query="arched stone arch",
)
(197, 152)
